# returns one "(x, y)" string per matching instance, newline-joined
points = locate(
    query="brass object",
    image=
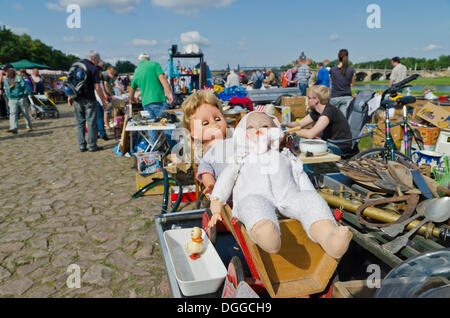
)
(377, 214)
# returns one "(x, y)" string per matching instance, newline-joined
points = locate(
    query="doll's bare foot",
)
(266, 235)
(333, 239)
(337, 242)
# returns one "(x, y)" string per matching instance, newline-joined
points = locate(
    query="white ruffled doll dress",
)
(262, 183)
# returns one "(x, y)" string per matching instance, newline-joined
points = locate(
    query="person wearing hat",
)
(17, 91)
(155, 91)
(85, 105)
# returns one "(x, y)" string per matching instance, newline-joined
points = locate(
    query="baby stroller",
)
(42, 107)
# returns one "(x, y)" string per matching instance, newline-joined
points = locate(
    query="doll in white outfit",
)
(261, 180)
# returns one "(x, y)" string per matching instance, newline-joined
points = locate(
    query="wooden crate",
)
(352, 289)
(300, 268)
(297, 104)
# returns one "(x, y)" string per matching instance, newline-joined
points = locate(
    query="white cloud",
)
(190, 6)
(193, 37)
(17, 30)
(432, 47)
(116, 6)
(86, 39)
(334, 37)
(55, 6)
(143, 43)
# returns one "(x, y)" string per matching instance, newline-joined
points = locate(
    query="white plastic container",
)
(443, 143)
(195, 277)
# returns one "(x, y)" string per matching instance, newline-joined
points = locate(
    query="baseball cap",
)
(144, 56)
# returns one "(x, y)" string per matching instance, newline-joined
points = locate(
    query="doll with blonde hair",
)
(204, 120)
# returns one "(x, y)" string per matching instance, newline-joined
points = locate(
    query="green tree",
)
(125, 67)
(14, 47)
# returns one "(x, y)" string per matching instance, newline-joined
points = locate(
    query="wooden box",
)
(300, 268)
(297, 104)
(352, 289)
(143, 180)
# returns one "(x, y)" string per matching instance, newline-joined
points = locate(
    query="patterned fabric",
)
(303, 74)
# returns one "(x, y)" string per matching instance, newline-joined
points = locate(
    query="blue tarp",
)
(233, 91)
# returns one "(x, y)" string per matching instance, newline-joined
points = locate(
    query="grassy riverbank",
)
(420, 81)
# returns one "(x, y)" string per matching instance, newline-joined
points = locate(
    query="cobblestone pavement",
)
(59, 206)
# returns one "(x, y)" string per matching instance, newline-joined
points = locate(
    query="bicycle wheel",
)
(382, 153)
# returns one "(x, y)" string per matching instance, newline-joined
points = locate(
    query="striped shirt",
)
(303, 74)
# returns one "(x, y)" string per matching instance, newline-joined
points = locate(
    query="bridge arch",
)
(376, 76)
(361, 76)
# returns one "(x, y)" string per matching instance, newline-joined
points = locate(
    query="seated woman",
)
(328, 122)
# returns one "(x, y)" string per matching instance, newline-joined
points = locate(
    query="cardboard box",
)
(148, 162)
(174, 164)
(435, 115)
(297, 104)
(283, 114)
(380, 134)
(142, 181)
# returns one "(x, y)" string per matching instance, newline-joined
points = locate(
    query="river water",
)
(439, 88)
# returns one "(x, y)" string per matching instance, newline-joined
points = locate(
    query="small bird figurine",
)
(195, 246)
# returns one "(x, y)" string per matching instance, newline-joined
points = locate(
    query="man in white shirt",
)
(399, 72)
(232, 79)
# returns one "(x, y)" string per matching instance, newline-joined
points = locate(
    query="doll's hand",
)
(214, 219)
(208, 182)
(208, 190)
(216, 209)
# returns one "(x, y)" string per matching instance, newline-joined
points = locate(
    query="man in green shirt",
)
(155, 89)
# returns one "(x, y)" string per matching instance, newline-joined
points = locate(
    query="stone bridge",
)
(365, 75)
(362, 75)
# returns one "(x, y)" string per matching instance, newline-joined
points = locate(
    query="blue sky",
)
(245, 32)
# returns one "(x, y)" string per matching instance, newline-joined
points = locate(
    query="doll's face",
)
(258, 125)
(258, 132)
(208, 124)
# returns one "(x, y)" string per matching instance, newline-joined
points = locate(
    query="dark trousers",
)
(100, 121)
(86, 113)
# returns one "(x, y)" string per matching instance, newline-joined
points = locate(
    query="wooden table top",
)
(330, 157)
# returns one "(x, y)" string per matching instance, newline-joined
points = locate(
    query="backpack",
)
(75, 83)
(357, 113)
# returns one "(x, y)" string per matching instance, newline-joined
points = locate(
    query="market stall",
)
(396, 210)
